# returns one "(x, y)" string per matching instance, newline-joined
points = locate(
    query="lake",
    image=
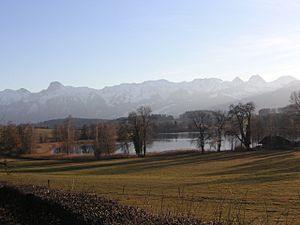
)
(179, 141)
(164, 142)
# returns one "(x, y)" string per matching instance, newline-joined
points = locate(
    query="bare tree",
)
(136, 132)
(241, 115)
(201, 121)
(220, 118)
(28, 137)
(68, 135)
(257, 129)
(284, 123)
(295, 100)
(145, 114)
(86, 132)
(140, 122)
(11, 137)
(124, 137)
(57, 133)
(231, 137)
(105, 139)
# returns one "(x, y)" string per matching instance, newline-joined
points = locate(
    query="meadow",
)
(261, 186)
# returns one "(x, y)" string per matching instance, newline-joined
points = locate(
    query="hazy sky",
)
(99, 43)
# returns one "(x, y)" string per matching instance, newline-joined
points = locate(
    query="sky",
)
(100, 43)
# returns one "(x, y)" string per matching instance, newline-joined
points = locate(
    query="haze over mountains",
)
(59, 101)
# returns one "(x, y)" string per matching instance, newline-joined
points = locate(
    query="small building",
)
(275, 142)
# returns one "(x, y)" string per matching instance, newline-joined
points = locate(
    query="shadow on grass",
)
(257, 161)
(116, 166)
(265, 167)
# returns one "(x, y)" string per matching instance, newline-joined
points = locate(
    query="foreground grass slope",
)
(257, 185)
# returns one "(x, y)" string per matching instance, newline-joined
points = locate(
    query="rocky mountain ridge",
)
(174, 98)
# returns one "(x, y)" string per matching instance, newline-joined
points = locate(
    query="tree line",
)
(213, 126)
(135, 129)
(21, 138)
(238, 124)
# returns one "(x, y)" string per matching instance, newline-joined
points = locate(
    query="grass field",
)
(256, 185)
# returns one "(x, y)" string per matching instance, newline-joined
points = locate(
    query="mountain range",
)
(165, 97)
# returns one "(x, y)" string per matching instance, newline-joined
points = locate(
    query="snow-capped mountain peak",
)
(237, 81)
(59, 101)
(284, 80)
(54, 86)
(256, 80)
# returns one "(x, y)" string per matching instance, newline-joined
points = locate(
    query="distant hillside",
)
(274, 99)
(77, 122)
(164, 97)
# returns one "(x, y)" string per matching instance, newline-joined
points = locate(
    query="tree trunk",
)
(145, 148)
(219, 142)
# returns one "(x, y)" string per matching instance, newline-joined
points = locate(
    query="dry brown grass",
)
(260, 186)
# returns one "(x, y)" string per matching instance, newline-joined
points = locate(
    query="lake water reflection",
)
(163, 142)
(178, 141)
